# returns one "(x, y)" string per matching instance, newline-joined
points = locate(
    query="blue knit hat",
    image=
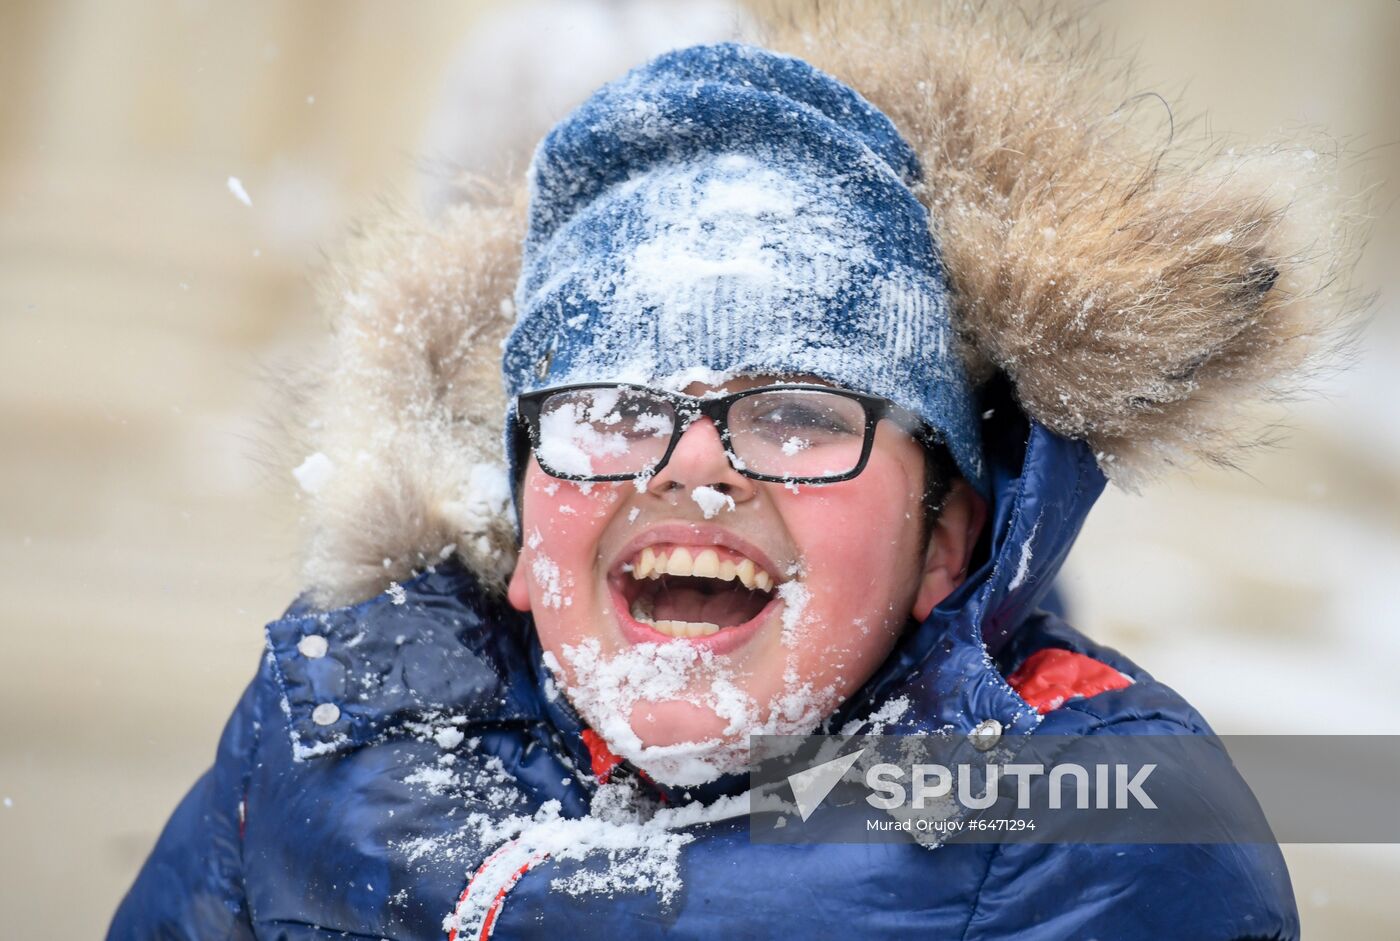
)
(727, 210)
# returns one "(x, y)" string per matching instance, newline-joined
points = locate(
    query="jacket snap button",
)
(313, 646)
(325, 714)
(986, 735)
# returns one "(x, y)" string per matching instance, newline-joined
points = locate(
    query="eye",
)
(640, 417)
(798, 432)
(783, 416)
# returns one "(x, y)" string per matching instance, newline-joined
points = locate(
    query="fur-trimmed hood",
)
(1138, 294)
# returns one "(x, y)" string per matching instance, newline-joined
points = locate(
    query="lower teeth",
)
(685, 628)
(673, 628)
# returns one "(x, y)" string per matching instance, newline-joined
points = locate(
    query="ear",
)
(950, 547)
(518, 594)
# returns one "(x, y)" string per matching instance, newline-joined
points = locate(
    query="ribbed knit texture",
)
(724, 210)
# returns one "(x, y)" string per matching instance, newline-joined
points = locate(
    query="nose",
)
(699, 461)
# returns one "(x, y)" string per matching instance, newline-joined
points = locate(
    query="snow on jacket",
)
(400, 767)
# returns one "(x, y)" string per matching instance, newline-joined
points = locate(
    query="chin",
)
(681, 744)
(675, 722)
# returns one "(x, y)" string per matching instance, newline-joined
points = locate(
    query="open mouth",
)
(694, 591)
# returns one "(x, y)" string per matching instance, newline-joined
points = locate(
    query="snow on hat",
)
(725, 210)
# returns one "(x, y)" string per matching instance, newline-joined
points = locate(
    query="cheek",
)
(562, 525)
(861, 558)
(860, 530)
(565, 511)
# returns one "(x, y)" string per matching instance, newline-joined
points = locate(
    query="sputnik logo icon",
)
(810, 787)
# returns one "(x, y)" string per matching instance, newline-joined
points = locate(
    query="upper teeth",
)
(705, 563)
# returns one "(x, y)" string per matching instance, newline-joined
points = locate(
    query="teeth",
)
(706, 564)
(641, 610)
(680, 562)
(686, 628)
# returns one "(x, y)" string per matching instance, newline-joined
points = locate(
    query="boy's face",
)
(836, 572)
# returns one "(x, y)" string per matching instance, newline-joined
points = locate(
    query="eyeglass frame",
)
(691, 408)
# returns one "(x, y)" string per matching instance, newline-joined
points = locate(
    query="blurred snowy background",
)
(144, 540)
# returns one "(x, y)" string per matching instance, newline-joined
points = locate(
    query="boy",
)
(764, 482)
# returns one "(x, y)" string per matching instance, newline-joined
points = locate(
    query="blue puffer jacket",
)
(331, 811)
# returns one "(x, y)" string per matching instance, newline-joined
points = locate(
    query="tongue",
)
(726, 607)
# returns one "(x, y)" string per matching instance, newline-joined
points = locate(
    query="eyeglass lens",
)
(603, 432)
(797, 433)
(777, 433)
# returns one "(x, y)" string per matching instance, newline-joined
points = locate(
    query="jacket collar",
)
(437, 649)
(946, 669)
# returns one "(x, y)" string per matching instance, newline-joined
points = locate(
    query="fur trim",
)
(1138, 295)
(406, 410)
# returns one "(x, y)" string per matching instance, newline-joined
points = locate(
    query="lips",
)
(699, 584)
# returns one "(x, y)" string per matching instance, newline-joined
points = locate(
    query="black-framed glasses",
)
(788, 433)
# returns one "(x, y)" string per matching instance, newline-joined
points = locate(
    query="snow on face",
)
(845, 561)
(640, 677)
(570, 436)
(546, 573)
(602, 431)
(711, 501)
